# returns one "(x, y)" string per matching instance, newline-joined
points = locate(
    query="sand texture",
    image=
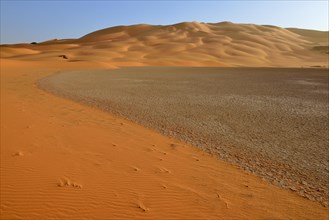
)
(186, 44)
(273, 122)
(63, 160)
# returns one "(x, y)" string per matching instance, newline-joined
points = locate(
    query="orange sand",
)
(61, 159)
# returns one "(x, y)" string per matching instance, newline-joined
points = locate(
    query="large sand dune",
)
(188, 43)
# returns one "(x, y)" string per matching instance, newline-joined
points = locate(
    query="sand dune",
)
(187, 43)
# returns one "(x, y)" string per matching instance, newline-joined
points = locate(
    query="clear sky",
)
(27, 21)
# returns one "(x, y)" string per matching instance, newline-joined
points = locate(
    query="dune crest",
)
(187, 44)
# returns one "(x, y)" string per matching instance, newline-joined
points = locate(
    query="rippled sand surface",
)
(269, 121)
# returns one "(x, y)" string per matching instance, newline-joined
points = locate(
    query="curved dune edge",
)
(61, 159)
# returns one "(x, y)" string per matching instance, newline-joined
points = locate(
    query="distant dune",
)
(187, 44)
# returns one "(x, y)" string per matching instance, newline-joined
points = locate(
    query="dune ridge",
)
(187, 44)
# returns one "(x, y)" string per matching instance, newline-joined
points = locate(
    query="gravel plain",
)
(272, 122)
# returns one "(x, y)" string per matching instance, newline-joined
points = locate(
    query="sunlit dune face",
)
(187, 43)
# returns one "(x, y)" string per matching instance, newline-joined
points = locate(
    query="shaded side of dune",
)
(271, 122)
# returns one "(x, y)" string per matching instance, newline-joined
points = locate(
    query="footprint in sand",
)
(149, 149)
(196, 159)
(18, 154)
(164, 170)
(142, 207)
(173, 146)
(223, 200)
(135, 168)
(65, 182)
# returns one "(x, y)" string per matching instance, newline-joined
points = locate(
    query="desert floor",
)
(268, 121)
(62, 159)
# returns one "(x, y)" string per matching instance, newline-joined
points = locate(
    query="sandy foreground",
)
(61, 159)
(269, 121)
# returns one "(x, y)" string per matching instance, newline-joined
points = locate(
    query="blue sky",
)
(27, 21)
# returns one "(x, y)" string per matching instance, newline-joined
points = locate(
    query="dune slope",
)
(187, 43)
